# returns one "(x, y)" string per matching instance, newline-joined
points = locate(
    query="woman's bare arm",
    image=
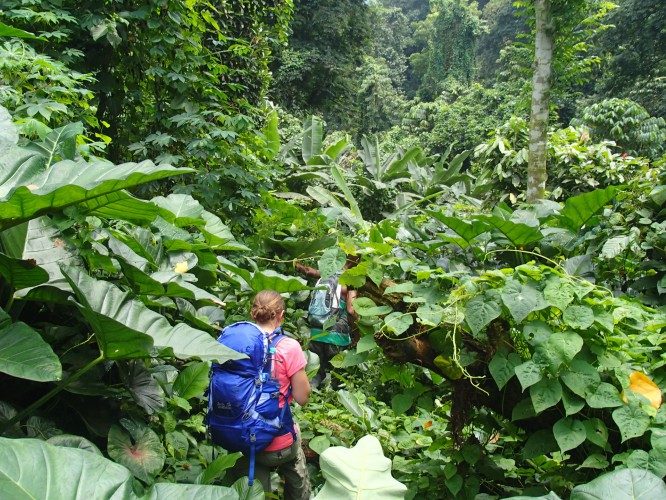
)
(300, 387)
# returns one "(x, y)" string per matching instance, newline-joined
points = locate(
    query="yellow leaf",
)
(643, 385)
(181, 267)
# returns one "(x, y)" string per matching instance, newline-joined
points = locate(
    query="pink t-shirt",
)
(289, 359)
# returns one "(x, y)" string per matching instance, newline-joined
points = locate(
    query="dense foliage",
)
(148, 189)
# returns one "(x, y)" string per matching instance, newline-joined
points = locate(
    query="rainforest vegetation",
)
(495, 170)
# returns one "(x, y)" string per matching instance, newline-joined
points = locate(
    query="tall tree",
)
(536, 167)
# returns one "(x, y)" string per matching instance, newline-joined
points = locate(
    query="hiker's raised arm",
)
(308, 271)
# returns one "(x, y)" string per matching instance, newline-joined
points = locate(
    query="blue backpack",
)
(325, 302)
(243, 397)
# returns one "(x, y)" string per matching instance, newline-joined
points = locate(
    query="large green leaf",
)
(342, 185)
(466, 230)
(579, 209)
(569, 433)
(121, 205)
(137, 447)
(59, 144)
(361, 472)
(622, 484)
(107, 305)
(8, 131)
(180, 209)
(272, 280)
(517, 233)
(192, 381)
(24, 354)
(10, 31)
(297, 247)
(48, 249)
(21, 274)
(312, 137)
(32, 468)
(27, 190)
(272, 134)
(521, 299)
(481, 310)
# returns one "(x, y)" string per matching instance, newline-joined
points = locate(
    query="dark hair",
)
(267, 305)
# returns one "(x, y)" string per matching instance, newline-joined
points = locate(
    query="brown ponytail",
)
(267, 305)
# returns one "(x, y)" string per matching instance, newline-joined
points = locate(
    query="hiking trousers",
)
(291, 466)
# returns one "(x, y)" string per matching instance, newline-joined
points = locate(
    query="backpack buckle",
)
(253, 437)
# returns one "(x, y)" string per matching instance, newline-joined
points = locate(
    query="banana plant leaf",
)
(361, 472)
(31, 468)
(107, 307)
(24, 354)
(312, 137)
(27, 190)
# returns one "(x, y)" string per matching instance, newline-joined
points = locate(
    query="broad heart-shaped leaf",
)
(137, 447)
(360, 472)
(180, 209)
(21, 274)
(622, 484)
(120, 205)
(45, 245)
(24, 354)
(297, 247)
(481, 310)
(8, 131)
(271, 280)
(631, 420)
(192, 381)
(581, 377)
(569, 433)
(218, 235)
(398, 323)
(503, 367)
(596, 431)
(605, 395)
(560, 348)
(517, 233)
(71, 441)
(578, 317)
(466, 230)
(313, 134)
(111, 306)
(558, 292)
(545, 393)
(365, 306)
(521, 299)
(27, 190)
(528, 374)
(331, 261)
(60, 143)
(579, 209)
(32, 468)
(145, 390)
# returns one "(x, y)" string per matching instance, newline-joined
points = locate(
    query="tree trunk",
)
(536, 165)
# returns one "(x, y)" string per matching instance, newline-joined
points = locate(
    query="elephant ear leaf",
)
(622, 484)
(31, 468)
(359, 472)
(580, 209)
(130, 325)
(137, 447)
(24, 354)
